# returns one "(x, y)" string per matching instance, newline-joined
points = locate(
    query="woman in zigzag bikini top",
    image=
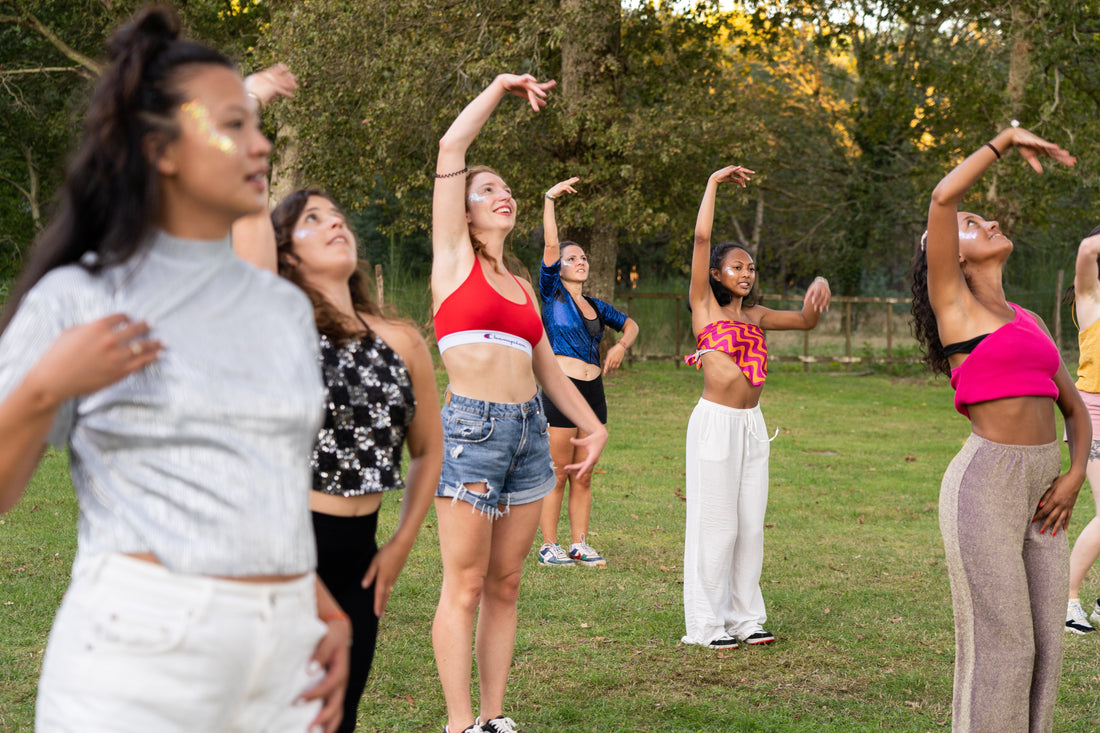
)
(727, 441)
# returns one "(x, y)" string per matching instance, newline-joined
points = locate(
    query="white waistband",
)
(500, 338)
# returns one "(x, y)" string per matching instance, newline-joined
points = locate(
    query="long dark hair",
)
(925, 327)
(106, 205)
(330, 321)
(721, 293)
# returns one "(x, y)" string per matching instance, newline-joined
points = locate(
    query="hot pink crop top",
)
(1016, 360)
(477, 313)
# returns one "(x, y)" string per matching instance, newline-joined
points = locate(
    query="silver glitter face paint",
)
(476, 197)
(304, 233)
(197, 111)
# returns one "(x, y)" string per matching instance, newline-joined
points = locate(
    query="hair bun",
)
(145, 34)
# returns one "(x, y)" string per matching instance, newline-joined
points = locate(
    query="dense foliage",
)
(850, 111)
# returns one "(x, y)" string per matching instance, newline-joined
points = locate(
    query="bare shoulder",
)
(401, 336)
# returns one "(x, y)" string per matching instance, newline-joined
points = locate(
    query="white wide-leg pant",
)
(137, 648)
(727, 493)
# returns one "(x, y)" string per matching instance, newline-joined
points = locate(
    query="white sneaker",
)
(1095, 615)
(499, 724)
(551, 553)
(1076, 622)
(583, 554)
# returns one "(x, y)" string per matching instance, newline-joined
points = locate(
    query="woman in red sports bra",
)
(727, 441)
(496, 465)
(1003, 505)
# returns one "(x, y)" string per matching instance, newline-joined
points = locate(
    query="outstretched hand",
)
(561, 187)
(818, 294)
(733, 174)
(527, 87)
(1031, 146)
(86, 358)
(274, 81)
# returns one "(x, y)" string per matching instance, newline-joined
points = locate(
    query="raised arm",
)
(253, 236)
(1086, 281)
(946, 286)
(699, 290)
(815, 302)
(551, 253)
(450, 236)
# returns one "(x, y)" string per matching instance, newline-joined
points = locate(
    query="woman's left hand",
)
(383, 572)
(1056, 506)
(818, 294)
(331, 655)
(274, 81)
(614, 358)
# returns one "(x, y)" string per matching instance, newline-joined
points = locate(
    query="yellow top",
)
(1088, 367)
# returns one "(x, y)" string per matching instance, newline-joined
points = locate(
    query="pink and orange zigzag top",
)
(742, 341)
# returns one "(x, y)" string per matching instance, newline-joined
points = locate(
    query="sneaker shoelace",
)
(559, 554)
(500, 725)
(586, 550)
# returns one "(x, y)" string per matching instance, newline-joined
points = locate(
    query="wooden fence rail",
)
(806, 358)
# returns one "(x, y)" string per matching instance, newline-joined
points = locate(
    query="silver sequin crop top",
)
(369, 406)
(201, 458)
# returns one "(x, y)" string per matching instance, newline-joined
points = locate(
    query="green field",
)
(854, 580)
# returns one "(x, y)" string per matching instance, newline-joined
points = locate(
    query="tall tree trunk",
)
(590, 63)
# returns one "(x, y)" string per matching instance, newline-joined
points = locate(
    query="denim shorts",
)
(504, 445)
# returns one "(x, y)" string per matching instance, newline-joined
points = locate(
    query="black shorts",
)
(591, 391)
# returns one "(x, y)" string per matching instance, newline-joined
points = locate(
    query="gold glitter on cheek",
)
(198, 112)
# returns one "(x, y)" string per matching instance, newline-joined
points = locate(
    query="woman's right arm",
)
(450, 236)
(82, 359)
(253, 236)
(551, 252)
(699, 290)
(946, 285)
(1086, 282)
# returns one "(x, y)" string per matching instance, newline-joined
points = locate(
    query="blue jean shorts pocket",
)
(466, 429)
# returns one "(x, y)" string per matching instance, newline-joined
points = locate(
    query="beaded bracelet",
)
(451, 175)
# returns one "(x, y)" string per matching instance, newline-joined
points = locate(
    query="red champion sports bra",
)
(476, 313)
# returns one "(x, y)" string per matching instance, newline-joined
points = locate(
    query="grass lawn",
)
(854, 581)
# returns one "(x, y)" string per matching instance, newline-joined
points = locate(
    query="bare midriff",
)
(578, 369)
(344, 506)
(1014, 420)
(725, 384)
(151, 558)
(490, 372)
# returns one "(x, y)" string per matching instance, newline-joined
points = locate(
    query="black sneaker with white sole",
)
(723, 642)
(760, 637)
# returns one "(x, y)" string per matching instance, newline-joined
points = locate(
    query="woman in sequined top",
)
(380, 394)
(183, 384)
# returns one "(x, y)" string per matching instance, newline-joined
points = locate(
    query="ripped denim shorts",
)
(504, 445)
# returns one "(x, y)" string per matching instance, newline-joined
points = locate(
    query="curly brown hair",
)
(330, 321)
(925, 328)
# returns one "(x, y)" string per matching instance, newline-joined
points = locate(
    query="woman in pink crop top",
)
(496, 466)
(727, 441)
(1003, 506)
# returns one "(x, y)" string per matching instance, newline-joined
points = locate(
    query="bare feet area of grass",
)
(854, 581)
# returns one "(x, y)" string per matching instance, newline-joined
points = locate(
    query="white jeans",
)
(136, 647)
(727, 493)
